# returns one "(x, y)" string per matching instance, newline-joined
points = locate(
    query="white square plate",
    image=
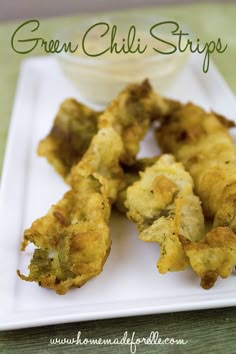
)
(129, 284)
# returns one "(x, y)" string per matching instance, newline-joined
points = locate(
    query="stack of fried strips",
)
(95, 152)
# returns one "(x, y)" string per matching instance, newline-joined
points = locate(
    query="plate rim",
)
(14, 320)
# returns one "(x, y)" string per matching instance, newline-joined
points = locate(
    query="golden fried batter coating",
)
(75, 125)
(226, 213)
(132, 113)
(202, 143)
(162, 205)
(212, 257)
(74, 237)
(131, 174)
(72, 131)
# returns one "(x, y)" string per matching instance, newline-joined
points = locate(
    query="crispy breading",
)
(73, 128)
(162, 205)
(226, 213)
(73, 239)
(131, 174)
(213, 256)
(132, 113)
(75, 124)
(201, 141)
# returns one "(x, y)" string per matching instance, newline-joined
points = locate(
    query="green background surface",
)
(210, 331)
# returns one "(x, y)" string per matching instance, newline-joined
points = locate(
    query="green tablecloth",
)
(211, 331)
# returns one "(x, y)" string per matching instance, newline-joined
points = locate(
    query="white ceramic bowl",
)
(100, 78)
